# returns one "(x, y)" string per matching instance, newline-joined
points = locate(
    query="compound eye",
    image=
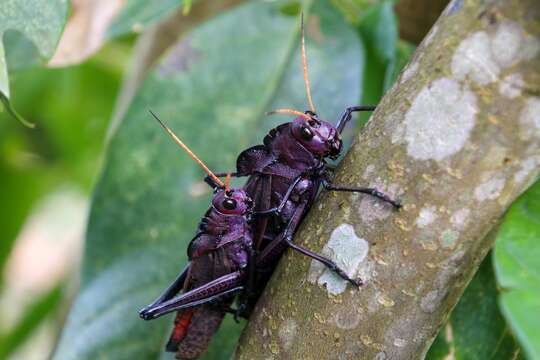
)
(229, 204)
(306, 133)
(312, 123)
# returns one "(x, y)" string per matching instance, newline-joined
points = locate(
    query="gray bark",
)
(457, 139)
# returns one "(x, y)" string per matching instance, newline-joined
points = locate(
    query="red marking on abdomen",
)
(181, 325)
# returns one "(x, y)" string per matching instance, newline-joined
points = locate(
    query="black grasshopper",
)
(285, 175)
(219, 256)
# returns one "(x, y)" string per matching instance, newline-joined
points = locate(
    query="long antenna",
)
(188, 150)
(227, 182)
(305, 66)
(288, 111)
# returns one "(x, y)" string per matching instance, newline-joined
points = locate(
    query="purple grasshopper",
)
(285, 175)
(219, 256)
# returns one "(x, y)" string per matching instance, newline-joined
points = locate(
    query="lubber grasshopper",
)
(285, 175)
(219, 258)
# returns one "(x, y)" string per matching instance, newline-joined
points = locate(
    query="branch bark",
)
(457, 139)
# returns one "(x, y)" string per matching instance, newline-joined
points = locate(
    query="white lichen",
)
(510, 86)
(482, 56)
(426, 216)
(529, 119)
(506, 43)
(348, 251)
(473, 58)
(460, 217)
(489, 189)
(526, 169)
(435, 127)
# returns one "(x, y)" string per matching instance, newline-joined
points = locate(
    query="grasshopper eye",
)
(306, 133)
(313, 123)
(229, 204)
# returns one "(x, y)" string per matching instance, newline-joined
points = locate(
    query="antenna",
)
(305, 67)
(188, 150)
(288, 111)
(227, 181)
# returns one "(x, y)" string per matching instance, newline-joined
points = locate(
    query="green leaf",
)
(213, 89)
(517, 264)
(72, 106)
(385, 54)
(137, 14)
(41, 23)
(476, 329)
(32, 317)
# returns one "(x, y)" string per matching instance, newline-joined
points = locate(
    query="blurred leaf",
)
(213, 90)
(18, 193)
(41, 23)
(85, 30)
(154, 42)
(517, 264)
(440, 349)
(72, 106)
(137, 14)
(385, 54)
(32, 317)
(476, 329)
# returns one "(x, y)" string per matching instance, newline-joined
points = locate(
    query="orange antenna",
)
(227, 181)
(305, 66)
(188, 150)
(288, 111)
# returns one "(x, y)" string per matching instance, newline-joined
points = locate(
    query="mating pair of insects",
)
(246, 230)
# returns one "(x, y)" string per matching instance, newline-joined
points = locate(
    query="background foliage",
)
(213, 86)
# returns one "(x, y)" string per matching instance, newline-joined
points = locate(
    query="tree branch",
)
(457, 139)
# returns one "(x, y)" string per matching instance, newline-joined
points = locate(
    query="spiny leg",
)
(225, 285)
(347, 114)
(277, 210)
(327, 262)
(172, 290)
(364, 190)
(285, 238)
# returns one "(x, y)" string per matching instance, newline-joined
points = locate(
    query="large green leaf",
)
(39, 24)
(137, 14)
(385, 54)
(517, 264)
(476, 329)
(213, 90)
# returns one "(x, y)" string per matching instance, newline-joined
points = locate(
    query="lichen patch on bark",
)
(511, 85)
(490, 189)
(348, 251)
(426, 216)
(435, 127)
(482, 55)
(460, 217)
(530, 119)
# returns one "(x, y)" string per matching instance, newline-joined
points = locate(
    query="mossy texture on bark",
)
(457, 139)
